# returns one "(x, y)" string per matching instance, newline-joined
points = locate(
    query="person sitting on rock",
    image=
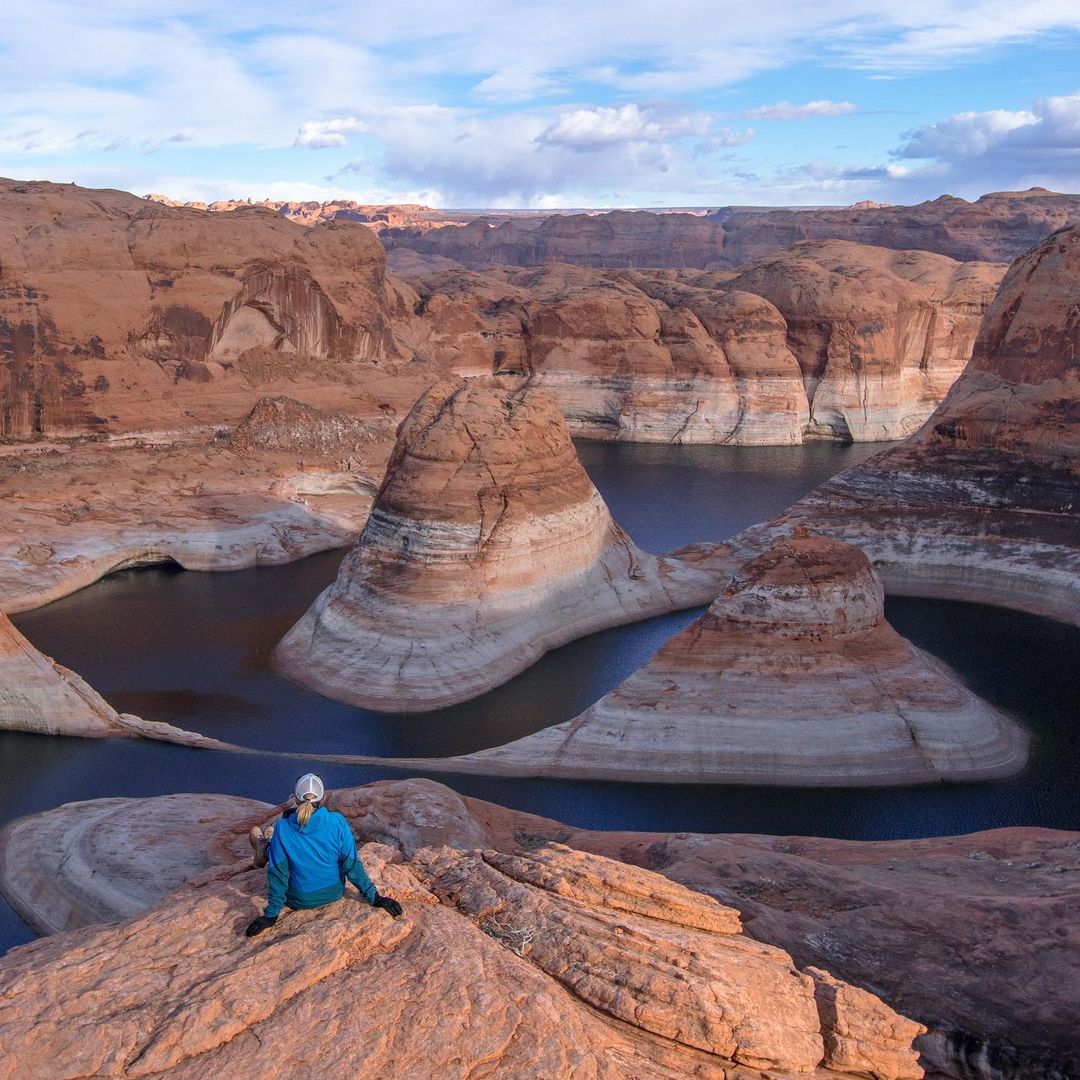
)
(308, 857)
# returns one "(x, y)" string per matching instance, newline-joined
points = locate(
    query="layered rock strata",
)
(827, 340)
(118, 314)
(487, 545)
(43, 697)
(553, 963)
(964, 933)
(997, 227)
(793, 676)
(289, 481)
(880, 335)
(110, 859)
(981, 504)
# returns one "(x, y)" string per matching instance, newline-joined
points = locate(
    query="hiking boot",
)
(260, 842)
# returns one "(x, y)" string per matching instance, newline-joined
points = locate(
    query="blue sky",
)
(545, 103)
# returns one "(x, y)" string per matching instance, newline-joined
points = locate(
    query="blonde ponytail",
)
(305, 810)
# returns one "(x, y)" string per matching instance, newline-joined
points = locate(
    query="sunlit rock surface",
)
(997, 228)
(547, 963)
(292, 480)
(828, 340)
(972, 935)
(487, 545)
(119, 314)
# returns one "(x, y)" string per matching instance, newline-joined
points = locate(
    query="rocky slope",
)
(827, 340)
(997, 227)
(981, 504)
(119, 314)
(551, 963)
(793, 676)
(972, 935)
(487, 545)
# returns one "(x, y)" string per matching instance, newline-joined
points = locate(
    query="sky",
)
(544, 103)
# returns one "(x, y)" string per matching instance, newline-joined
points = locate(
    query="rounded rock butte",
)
(487, 546)
(792, 677)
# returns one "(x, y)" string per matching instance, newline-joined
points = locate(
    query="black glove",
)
(387, 903)
(257, 926)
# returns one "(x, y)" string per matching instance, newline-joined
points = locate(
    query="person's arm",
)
(352, 866)
(277, 882)
(277, 876)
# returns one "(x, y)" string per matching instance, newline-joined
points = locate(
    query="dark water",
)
(194, 649)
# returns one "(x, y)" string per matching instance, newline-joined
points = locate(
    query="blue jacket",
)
(307, 867)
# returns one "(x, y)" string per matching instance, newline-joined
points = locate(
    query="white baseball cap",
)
(309, 785)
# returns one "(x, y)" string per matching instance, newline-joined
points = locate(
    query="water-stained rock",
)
(488, 545)
(981, 504)
(792, 676)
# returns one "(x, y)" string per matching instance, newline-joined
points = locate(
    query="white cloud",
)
(785, 110)
(590, 129)
(1010, 148)
(319, 134)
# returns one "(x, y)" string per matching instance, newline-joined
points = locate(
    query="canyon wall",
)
(826, 340)
(997, 227)
(119, 314)
(981, 503)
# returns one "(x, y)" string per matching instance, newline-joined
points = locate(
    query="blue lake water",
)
(194, 649)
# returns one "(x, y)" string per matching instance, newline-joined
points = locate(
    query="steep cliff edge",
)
(981, 504)
(828, 340)
(119, 314)
(487, 545)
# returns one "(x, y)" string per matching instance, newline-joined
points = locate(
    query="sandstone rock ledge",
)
(792, 676)
(487, 546)
(550, 964)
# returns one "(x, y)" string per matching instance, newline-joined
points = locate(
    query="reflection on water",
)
(194, 649)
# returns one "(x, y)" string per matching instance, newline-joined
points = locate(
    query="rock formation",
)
(981, 504)
(793, 676)
(997, 227)
(827, 340)
(39, 695)
(290, 481)
(487, 545)
(969, 934)
(118, 314)
(551, 963)
(110, 859)
(880, 335)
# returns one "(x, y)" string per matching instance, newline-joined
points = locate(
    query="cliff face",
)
(119, 313)
(828, 340)
(547, 963)
(981, 503)
(880, 336)
(996, 228)
(793, 676)
(487, 546)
